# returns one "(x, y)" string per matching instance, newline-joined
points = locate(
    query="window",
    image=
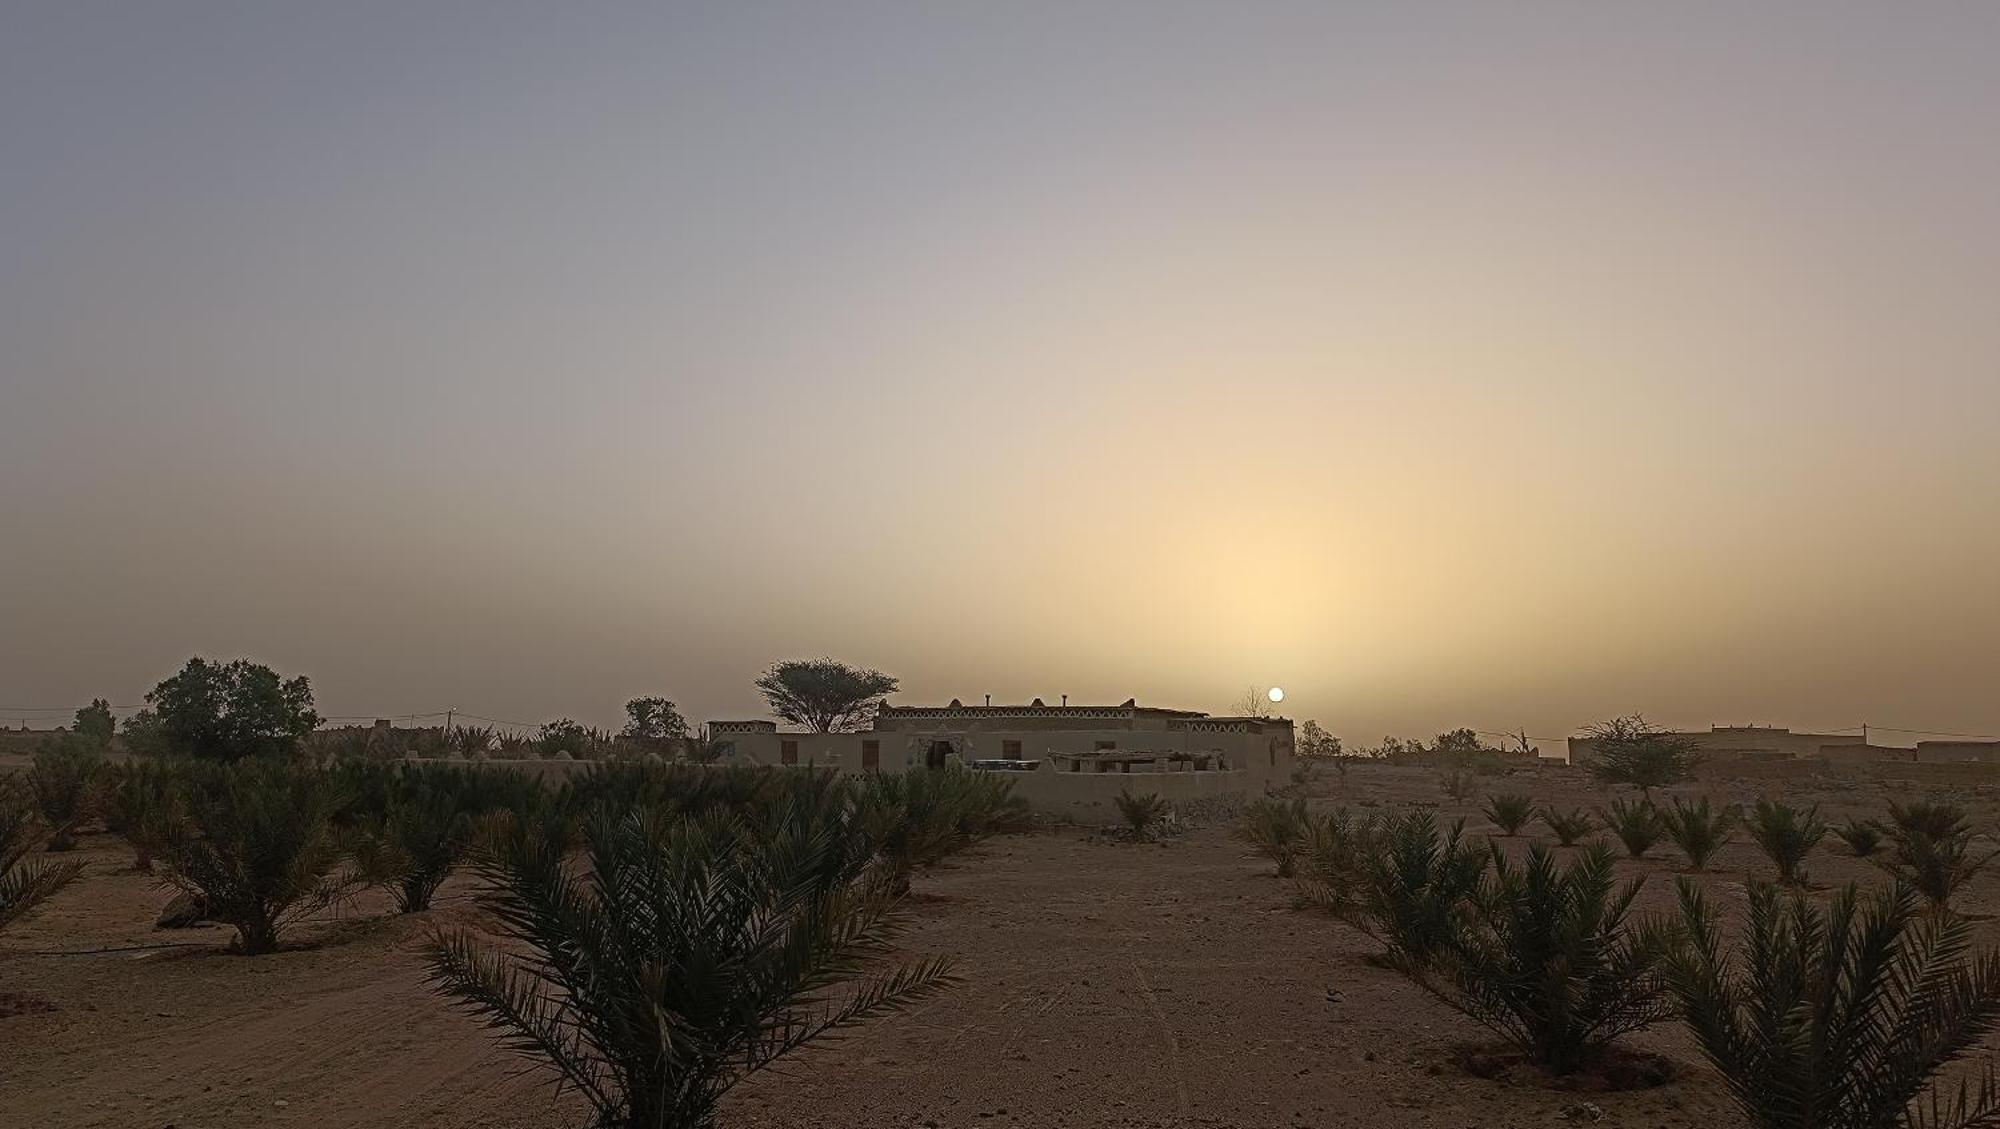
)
(871, 754)
(1010, 750)
(788, 752)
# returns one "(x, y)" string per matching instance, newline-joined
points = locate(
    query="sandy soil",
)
(1105, 984)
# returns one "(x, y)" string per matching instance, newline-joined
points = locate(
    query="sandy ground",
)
(1105, 984)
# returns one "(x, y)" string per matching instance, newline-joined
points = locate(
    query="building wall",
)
(1958, 752)
(1736, 743)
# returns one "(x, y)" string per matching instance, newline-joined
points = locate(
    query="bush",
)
(1416, 886)
(64, 782)
(1787, 835)
(256, 842)
(1551, 960)
(1698, 829)
(24, 885)
(1510, 811)
(685, 956)
(1636, 825)
(1141, 812)
(230, 711)
(1276, 830)
(1862, 836)
(1567, 826)
(1838, 1017)
(1634, 751)
(138, 802)
(1459, 783)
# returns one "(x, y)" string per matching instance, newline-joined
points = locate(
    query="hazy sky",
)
(1491, 364)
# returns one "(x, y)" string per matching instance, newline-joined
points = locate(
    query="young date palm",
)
(137, 801)
(1637, 825)
(64, 781)
(24, 885)
(1141, 811)
(1510, 811)
(1416, 886)
(1935, 867)
(1787, 835)
(1567, 826)
(1276, 829)
(1698, 829)
(425, 829)
(255, 841)
(1837, 1019)
(1551, 959)
(1862, 836)
(686, 955)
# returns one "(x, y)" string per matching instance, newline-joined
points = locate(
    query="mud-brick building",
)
(1070, 759)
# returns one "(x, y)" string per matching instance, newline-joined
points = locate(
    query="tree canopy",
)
(1632, 750)
(654, 719)
(95, 722)
(229, 711)
(823, 695)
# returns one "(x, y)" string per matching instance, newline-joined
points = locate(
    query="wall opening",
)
(788, 752)
(871, 754)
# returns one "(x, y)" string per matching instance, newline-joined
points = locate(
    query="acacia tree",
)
(1632, 750)
(823, 695)
(654, 719)
(1314, 742)
(229, 711)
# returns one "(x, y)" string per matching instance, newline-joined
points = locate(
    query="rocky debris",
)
(184, 912)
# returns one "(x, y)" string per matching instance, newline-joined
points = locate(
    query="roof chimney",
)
(1065, 699)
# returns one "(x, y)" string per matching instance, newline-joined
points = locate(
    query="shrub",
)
(1698, 829)
(64, 782)
(1141, 812)
(256, 842)
(1276, 829)
(138, 802)
(685, 956)
(1862, 836)
(1567, 826)
(1416, 886)
(1838, 1017)
(1510, 811)
(1551, 959)
(229, 711)
(95, 724)
(1636, 825)
(1634, 751)
(24, 885)
(424, 830)
(1787, 835)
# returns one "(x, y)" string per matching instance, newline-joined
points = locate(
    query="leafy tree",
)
(256, 842)
(1510, 811)
(229, 711)
(1787, 835)
(654, 719)
(64, 781)
(1315, 743)
(95, 723)
(1698, 829)
(1459, 743)
(566, 736)
(1276, 829)
(1838, 1019)
(1551, 959)
(823, 695)
(24, 885)
(1634, 751)
(686, 955)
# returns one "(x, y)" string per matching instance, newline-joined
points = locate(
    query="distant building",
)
(1070, 759)
(1738, 742)
(1958, 752)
